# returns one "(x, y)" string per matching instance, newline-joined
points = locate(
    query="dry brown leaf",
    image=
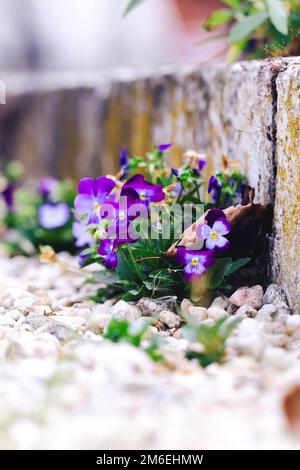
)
(291, 408)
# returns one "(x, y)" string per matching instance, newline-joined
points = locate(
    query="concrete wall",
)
(67, 128)
(249, 111)
(286, 250)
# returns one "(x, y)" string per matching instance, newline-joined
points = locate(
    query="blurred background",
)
(92, 34)
(72, 73)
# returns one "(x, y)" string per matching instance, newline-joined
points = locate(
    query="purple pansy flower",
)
(164, 147)
(214, 235)
(92, 194)
(8, 196)
(201, 164)
(214, 188)
(107, 249)
(120, 215)
(52, 216)
(213, 215)
(47, 185)
(82, 236)
(195, 262)
(123, 158)
(146, 191)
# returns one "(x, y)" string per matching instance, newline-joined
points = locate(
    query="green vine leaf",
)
(279, 15)
(247, 25)
(132, 5)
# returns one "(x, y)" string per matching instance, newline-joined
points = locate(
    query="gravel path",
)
(63, 387)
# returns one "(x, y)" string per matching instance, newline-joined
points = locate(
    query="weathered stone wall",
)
(249, 111)
(286, 250)
(75, 129)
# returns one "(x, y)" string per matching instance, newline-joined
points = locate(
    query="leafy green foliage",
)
(256, 28)
(212, 339)
(132, 5)
(133, 333)
(22, 219)
(222, 269)
(247, 25)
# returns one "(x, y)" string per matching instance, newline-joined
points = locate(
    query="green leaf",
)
(247, 25)
(235, 4)
(279, 15)
(219, 271)
(132, 5)
(218, 18)
(238, 264)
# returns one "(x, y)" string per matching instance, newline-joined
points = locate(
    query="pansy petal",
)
(82, 236)
(213, 215)
(52, 216)
(222, 242)
(123, 158)
(111, 261)
(136, 182)
(201, 164)
(86, 186)
(103, 186)
(83, 204)
(164, 147)
(211, 243)
(192, 273)
(106, 247)
(181, 255)
(203, 231)
(222, 227)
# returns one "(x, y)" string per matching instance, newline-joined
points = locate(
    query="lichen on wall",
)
(286, 250)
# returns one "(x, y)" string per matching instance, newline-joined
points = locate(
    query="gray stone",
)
(251, 296)
(48, 325)
(169, 318)
(274, 295)
(216, 313)
(247, 310)
(268, 309)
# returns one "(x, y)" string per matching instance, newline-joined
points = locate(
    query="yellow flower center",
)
(122, 216)
(143, 196)
(194, 262)
(97, 206)
(214, 235)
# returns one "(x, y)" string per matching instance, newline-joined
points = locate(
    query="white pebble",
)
(98, 321)
(198, 314)
(246, 311)
(268, 309)
(125, 311)
(221, 302)
(276, 357)
(216, 313)
(7, 320)
(169, 318)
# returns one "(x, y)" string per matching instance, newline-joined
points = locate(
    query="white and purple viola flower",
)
(52, 216)
(195, 262)
(213, 233)
(82, 235)
(47, 186)
(91, 194)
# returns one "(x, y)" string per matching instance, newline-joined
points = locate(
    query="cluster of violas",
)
(107, 206)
